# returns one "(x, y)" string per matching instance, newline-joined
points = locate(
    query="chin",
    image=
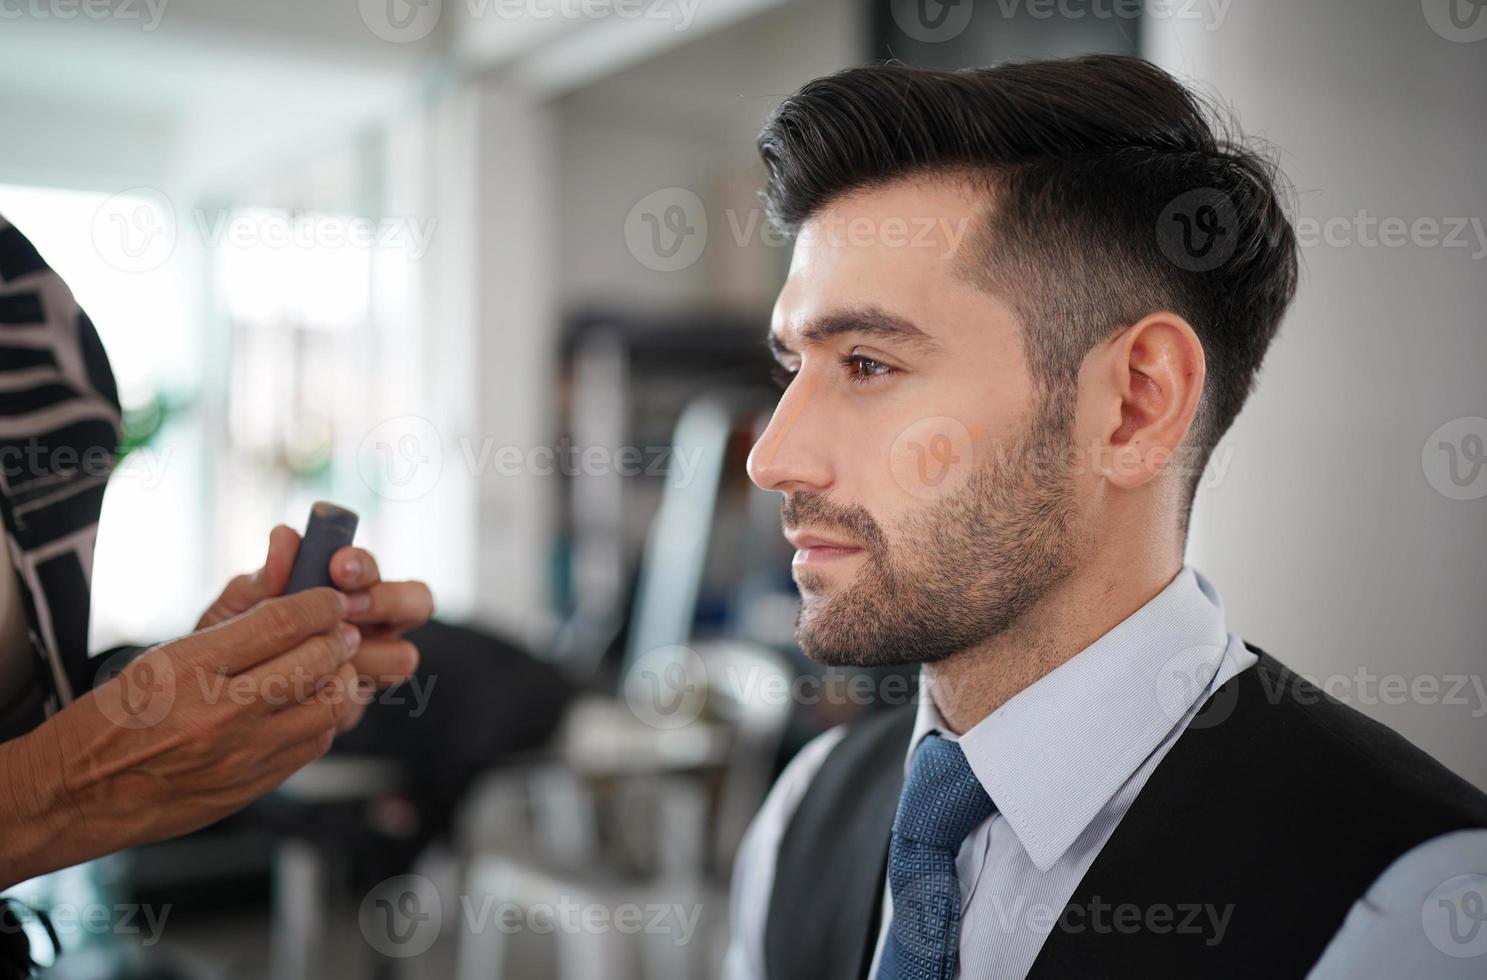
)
(832, 654)
(863, 626)
(853, 640)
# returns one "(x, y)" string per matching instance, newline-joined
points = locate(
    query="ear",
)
(1152, 379)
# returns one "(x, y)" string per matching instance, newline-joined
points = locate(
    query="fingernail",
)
(353, 567)
(359, 602)
(350, 638)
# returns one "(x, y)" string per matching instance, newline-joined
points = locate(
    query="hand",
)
(246, 591)
(188, 733)
(384, 611)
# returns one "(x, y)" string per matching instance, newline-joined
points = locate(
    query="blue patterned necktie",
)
(940, 805)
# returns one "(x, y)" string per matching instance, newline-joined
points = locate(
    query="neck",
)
(971, 684)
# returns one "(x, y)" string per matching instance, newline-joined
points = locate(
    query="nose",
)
(794, 451)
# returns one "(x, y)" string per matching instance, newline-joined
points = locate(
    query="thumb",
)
(273, 577)
(246, 591)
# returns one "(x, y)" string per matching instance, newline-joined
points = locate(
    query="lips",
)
(806, 542)
(815, 548)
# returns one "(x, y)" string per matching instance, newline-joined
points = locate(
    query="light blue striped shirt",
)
(1063, 760)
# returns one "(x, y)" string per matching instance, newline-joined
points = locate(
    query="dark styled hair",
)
(1113, 192)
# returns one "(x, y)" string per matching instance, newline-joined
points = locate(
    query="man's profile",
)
(1024, 304)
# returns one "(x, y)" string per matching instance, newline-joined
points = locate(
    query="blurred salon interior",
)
(496, 276)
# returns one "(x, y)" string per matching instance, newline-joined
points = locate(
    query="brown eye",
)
(781, 375)
(863, 369)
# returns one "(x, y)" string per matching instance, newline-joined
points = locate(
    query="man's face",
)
(912, 444)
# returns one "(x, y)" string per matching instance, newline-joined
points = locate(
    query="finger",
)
(403, 604)
(246, 591)
(336, 698)
(265, 631)
(352, 718)
(298, 722)
(353, 569)
(273, 578)
(387, 663)
(301, 675)
(362, 694)
(240, 595)
(343, 696)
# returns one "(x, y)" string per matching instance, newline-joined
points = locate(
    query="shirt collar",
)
(1055, 753)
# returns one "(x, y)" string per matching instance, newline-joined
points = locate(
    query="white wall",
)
(1331, 547)
(686, 121)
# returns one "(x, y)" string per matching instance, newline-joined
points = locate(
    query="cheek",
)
(932, 458)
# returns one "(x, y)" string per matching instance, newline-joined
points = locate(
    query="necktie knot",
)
(942, 801)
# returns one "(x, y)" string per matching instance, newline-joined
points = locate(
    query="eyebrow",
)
(870, 321)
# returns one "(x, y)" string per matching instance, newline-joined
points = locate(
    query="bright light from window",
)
(140, 312)
(147, 566)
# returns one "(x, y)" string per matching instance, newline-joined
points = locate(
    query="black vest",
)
(1317, 799)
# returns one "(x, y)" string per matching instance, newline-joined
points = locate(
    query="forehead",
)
(901, 248)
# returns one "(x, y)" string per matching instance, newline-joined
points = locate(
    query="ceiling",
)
(204, 92)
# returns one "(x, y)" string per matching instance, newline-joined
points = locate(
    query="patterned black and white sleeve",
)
(60, 428)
